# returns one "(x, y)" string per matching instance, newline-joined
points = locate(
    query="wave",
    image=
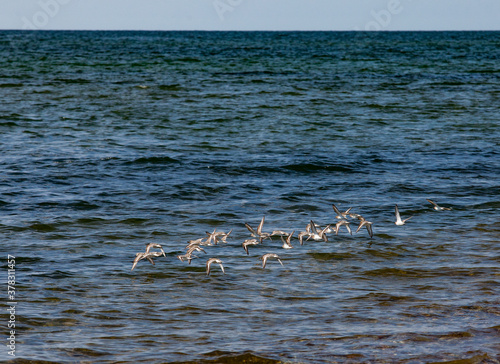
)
(313, 167)
(172, 87)
(78, 81)
(429, 273)
(10, 85)
(232, 358)
(153, 160)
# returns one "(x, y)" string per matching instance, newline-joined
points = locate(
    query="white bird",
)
(155, 245)
(198, 242)
(196, 248)
(214, 260)
(327, 229)
(341, 215)
(400, 222)
(279, 233)
(437, 207)
(258, 233)
(210, 237)
(148, 256)
(248, 242)
(222, 236)
(340, 223)
(265, 257)
(188, 256)
(218, 236)
(301, 236)
(318, 235)
(367, 224)
(287, 242)
(354, 216)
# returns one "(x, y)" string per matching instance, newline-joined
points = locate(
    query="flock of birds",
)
(312, 231)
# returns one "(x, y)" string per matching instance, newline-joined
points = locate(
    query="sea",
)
(111, 140)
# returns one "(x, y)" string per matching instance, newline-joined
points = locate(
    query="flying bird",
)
(155, 245)
(248, 242)
(258, 233)
(214, 260)
(400, 222)
(149, 256)
(318, 235)
(287, 242)
(367, 224)
(341, 215)
(437, 207)
(265, 257)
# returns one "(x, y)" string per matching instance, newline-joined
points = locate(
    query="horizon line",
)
(253, 30)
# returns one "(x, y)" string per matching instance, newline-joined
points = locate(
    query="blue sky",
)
(251, 14)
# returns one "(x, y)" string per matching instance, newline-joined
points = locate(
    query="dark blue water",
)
(111, 140)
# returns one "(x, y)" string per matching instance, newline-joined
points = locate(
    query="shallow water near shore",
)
(111, 140)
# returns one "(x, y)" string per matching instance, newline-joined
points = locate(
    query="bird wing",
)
(259, 228)
(361, 224)
(313, 228)
(348, 228)
(432, 202)
(398, 216)
(251, 229)
(264, 260)
(337, 211)
(370, 230)
(405, 220)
